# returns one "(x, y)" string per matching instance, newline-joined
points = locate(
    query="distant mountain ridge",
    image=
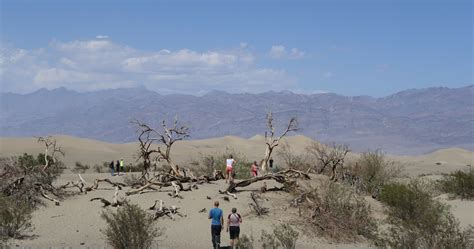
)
(409, 122)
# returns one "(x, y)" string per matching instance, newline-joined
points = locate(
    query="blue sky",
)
(347, 47)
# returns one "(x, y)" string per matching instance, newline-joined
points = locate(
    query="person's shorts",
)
(228, 169)
(234, 232)
(254, 173)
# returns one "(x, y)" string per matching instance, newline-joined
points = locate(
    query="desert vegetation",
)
(371, 171)
(459, 183)
(326, 194)
(416, 220)
(337, 212)
(130, 227)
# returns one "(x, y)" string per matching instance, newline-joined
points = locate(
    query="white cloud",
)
(101, 63)
(296, 54)
(102, 37)
(280, 52)
(277, 51)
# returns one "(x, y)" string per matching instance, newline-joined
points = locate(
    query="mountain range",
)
(409, 122)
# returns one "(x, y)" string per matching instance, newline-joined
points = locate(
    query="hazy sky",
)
(348, 47)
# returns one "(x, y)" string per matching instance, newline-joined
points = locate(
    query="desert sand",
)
(76, 223)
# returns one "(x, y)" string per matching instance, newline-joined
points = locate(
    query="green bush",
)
(129, 228)
(460, 183)
(418, 221)
(374, 170)
(207, 163)
(15, 218)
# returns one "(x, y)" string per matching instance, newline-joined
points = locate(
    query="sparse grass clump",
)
(418, 221)
(246, 242)
(129, 228)
(284, 236)
(459, 183)
(338, 213)
(80, 167)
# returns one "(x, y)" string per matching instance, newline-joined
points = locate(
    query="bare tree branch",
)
(51, 146)
(167, 136)
(271, 141)
(332, 155)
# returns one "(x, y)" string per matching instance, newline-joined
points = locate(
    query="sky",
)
(349, 47)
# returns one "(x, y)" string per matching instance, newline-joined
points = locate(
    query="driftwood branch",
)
(256, 206)
(162, 210)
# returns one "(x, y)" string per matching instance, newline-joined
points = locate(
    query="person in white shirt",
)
(230, 162)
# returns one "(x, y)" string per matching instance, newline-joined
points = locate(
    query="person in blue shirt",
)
(217, 224)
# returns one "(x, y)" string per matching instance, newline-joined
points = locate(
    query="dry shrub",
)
(130, 179)
(459, 183)
(283, 235)
(268, 240)
(338, 213)
(286, 235)
(246, 242)
(102, 168)
(292, 159)
(80, 167)
(20, 178)
(418, 221)
(130, 228)
(15, 218)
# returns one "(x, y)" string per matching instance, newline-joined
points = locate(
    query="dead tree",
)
(50, 147)
(332, 156)
(272, 141)
(165, 135)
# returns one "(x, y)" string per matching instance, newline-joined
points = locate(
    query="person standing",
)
(254, 169)
(230, 162)
(233, 227)
(122, 167)
(117, 167)
(217, 225)
(111, 166)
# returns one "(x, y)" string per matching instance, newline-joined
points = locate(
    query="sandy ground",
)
(76, 223)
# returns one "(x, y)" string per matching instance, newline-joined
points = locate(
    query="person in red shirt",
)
(254, 169)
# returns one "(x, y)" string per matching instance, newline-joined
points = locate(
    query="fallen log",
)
(148, 185)
(277, 177)
(293, 173)
(114, 184)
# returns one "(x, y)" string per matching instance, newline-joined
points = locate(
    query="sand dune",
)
(76, 223)
(95, 152)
